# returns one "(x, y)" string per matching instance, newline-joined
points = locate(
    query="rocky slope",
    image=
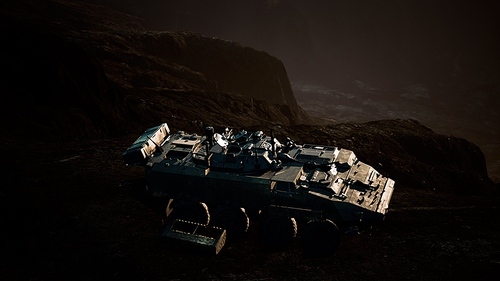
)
(81, 70)
(411, 153)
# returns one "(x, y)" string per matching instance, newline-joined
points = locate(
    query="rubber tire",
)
(320, 238)
(234, 220)
(189, 211)
(277, 231)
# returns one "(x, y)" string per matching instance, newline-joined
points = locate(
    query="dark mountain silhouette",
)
(384, 43)
(97, 71)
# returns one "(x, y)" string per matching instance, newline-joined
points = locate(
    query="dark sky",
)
(382, 42)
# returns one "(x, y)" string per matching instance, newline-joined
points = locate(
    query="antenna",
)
(273, 144)
(209, 132)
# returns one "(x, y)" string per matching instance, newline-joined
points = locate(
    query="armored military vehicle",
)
(222, 179)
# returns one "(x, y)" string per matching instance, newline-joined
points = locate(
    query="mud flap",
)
(194, 236)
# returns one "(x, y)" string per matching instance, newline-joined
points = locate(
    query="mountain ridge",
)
(74, 75)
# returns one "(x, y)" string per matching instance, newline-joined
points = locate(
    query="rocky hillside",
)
(380, 42)
(78, 70)
(81, 71)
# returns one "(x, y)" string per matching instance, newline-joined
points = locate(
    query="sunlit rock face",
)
(231, 66)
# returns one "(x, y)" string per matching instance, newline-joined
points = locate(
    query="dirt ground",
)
(65, 216)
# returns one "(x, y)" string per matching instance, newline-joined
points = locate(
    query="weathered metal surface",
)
(256, 172)
(199, 237)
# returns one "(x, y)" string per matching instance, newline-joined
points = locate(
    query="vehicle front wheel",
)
(277, 231)
(189, 211)
(234, 220)
(320, 238)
